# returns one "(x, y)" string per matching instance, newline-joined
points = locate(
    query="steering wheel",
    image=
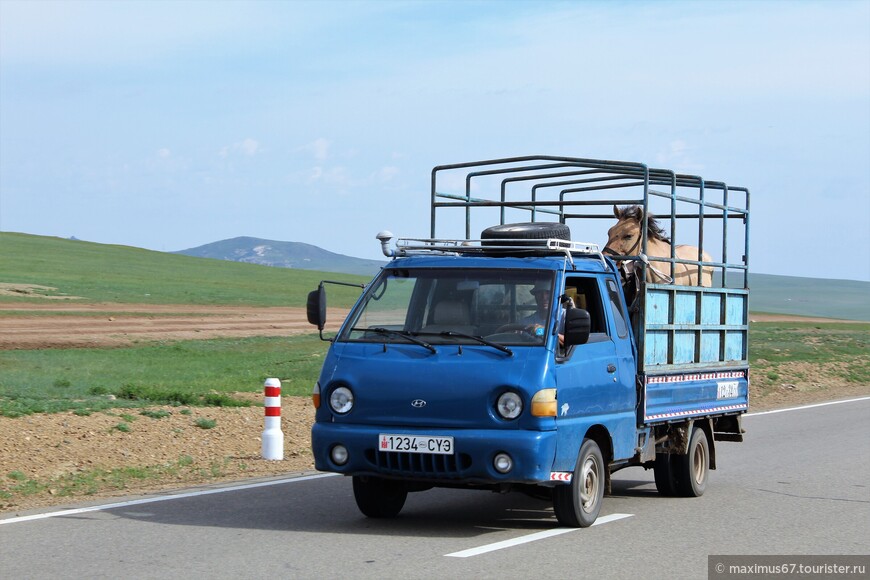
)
(521, 327)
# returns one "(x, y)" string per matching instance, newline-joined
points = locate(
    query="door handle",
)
(611, 368)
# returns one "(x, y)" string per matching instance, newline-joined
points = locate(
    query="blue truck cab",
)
(516, 362)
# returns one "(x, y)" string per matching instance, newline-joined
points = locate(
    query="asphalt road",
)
(799, 484)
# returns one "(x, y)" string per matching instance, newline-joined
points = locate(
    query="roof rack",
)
(501, 247)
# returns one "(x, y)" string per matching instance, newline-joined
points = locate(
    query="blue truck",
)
(521, 360)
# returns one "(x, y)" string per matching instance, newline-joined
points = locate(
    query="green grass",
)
(835, 350)
(202, 372)
(107, 273)
(155, 413)
(204, 423)
(17, 484)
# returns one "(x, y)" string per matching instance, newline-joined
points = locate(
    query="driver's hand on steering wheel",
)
(536, 330)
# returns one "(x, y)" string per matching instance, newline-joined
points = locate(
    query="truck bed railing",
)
(710, 215)
(536, 185)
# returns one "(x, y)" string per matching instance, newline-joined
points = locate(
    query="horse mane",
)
(654, 230)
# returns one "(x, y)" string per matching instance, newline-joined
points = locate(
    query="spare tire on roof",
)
(493, 236)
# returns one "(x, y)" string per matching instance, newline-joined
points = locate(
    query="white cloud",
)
(387, 173)
(319, 149)
(677, 155)
(315, 174)
(88, 32)
(164, 153)
(247, 147)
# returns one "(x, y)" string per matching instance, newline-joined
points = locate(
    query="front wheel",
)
(379, 498)
(577, 505)
(692, 470)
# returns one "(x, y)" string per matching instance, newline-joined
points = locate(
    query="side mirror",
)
(578, 324)
(316, 307)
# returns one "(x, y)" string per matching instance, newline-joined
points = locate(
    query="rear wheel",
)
(666, 482)
(578, 504)
(379, 498)
(691, 470)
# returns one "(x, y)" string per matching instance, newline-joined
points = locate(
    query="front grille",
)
(424, 465)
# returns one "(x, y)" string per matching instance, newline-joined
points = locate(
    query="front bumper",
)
(532, 452)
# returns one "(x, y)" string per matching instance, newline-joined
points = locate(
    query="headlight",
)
(341, 400)
(509, 405)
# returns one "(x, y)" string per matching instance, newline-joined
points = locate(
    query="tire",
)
(666, 482)
(492, 236)
(691, 471)
(577, 505)
(379, 498)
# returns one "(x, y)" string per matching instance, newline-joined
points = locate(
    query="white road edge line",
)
(531, 538)
(97, 508)
(808, 407)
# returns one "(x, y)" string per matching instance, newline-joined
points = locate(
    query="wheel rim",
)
(699, 463)
(591, 481)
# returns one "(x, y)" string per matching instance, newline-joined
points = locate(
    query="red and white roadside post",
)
(273, 437)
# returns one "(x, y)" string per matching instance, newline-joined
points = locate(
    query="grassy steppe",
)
(182, 372)
(107, 273)
(195, 372)
(808, 356)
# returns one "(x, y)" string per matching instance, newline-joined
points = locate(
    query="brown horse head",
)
(624, 238)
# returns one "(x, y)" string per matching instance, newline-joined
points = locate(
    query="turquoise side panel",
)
(656, 347)
(658, 307)
(710, 346)
(684, 346)
(711, 309)
(736, 309)
(685, 308)
(735, 345)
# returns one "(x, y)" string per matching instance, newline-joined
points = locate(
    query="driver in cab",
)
(538, 319)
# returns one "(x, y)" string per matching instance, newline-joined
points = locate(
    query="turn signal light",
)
(315, 395)
(544, 403)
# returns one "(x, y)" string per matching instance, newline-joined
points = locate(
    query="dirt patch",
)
(798, 383)
(33, 291)
(116, 325)
(62, 451)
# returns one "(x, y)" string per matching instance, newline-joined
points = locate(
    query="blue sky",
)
(168, 125)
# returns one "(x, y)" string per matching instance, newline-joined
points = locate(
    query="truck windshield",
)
(439, 306)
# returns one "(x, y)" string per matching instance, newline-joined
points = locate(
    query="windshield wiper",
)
(479, 339)
(402, 333)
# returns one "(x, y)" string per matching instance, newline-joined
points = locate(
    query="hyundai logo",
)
(418, 403)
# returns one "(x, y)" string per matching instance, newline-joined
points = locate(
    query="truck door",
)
(595, 385)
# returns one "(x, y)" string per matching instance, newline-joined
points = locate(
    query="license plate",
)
(415, 444)
(726, 390)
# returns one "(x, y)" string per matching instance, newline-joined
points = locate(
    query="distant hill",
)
(846, 299)
(284, 255)
(42, 268)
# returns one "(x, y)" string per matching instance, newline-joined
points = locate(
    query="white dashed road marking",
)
(532, 538)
